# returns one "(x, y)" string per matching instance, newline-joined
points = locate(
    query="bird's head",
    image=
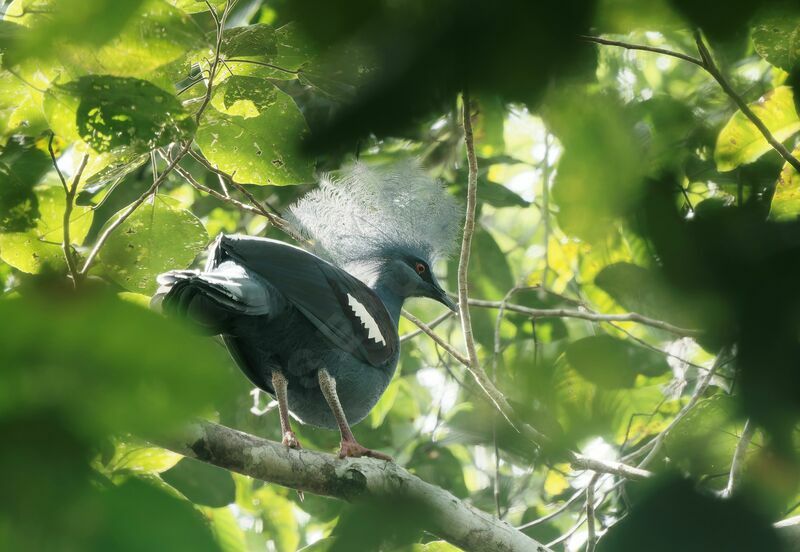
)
(410, 276)
(387, 222)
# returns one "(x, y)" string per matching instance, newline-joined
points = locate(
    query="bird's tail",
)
(187, 295)
(213, 301)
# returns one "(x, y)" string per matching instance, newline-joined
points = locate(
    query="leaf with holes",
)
(256, 134)
(118, 114)
(157, 237)
(35, 250)
(740, 142)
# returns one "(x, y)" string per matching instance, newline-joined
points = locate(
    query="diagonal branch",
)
(706, 62)
(350, 479)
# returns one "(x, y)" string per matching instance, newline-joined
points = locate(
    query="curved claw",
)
(290, 440)
(353, 449)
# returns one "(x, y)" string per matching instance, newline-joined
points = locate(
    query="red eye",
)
(420, 268)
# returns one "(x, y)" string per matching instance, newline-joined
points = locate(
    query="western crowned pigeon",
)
(318, 331)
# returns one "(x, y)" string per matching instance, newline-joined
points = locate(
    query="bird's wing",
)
(342, 307)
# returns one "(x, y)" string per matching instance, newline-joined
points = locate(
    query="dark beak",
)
(440, 295)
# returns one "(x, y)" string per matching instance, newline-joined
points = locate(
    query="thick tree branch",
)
(348, 479)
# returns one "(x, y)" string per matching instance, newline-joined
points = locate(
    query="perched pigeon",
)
(318, 331)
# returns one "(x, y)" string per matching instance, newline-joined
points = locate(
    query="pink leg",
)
(280, 385)
(349, 446)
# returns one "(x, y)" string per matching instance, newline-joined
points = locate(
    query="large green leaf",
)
(600, 174)
(201, 483)
(613, 363)
(156, 35)
(34, 250)
(197, 6)
(740, 142)
(642, 290)
(117, 114)
(786, 199)
(54, 22)
(105, 365)
(253, 132)
(776, 38)
(157, 237)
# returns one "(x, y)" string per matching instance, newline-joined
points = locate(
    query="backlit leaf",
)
(740, 142)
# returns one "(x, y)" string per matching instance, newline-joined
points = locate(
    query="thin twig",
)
(654, 446)
(546, 209)
(586, 314)
(737, 463)
(469, 229)
(642, 47)
(69, 202)
(432, 324)
(263, 64)
(591, 538)
(68, 205)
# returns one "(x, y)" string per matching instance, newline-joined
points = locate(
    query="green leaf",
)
(257, 139)
(108, 366)
(157, 35)
(201, 483)
(786, 199)
(141, 459)
(136, 515)
(40, 247)
(251, 40)
(280, 523)
(22, 165)
(776, 38)
(225, 526)
(117, 114)
(600, 174)
(439, 466)
(606, 361)
(740, 142)
(703, 441)
(157, 237)
(641, 290)
(197, 6)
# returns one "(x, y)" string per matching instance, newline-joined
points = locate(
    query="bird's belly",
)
(296, 348)
(359, 388)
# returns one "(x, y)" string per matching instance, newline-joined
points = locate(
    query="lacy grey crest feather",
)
(370, 213)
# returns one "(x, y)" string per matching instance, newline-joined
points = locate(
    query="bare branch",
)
(350, 479)
(586, 314)
(737, 463)
(642, 47)
(591, 537)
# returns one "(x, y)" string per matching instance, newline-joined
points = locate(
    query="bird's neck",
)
(393, 301)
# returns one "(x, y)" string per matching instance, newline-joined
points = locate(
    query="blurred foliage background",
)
(611, 180)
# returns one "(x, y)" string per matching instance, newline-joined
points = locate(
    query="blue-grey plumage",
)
(319, 335)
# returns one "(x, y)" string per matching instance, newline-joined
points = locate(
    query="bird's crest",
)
(369, 213)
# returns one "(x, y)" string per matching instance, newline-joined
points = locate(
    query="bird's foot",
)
(353, 449)
(290, 440)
